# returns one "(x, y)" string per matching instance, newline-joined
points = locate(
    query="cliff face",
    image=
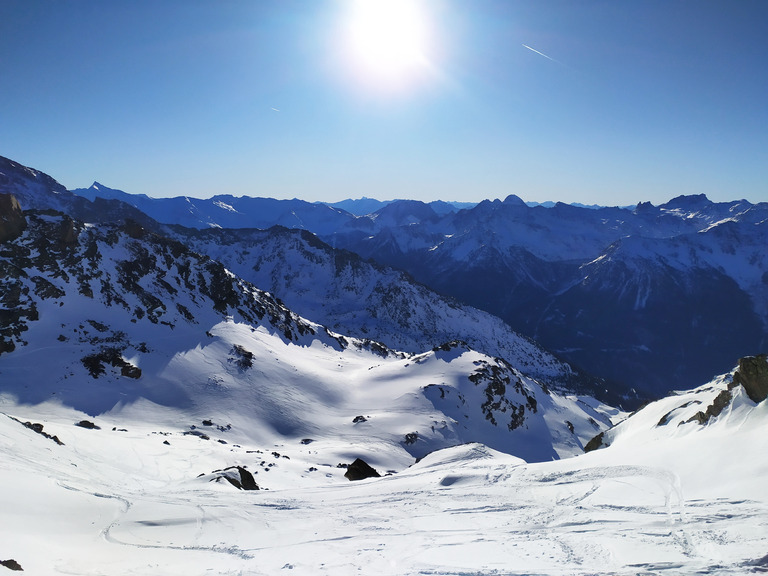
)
(752, 374)
(12, 221)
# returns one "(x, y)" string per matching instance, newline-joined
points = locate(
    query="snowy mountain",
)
(160, 414)
(117, 314)
(624, 294)
(349, 295)
(656, 298)
(36, 190)
(352, 296)
(147, 488)
(224, 211)
(365, 206)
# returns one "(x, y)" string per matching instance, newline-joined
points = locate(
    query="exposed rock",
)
(94, 363)
(246, 479)
(88, 425)
(37, 427)
(718, 405)
(12, 220)
(359, 419)
(238, 476)
(360, 470)
(595, 443)
(752, 374)
(244, 358)
(11, 565)
(664, 420)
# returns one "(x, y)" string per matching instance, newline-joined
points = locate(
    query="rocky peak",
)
(752, 374)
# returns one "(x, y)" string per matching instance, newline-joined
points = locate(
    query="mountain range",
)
(647, 299)
(192, 400)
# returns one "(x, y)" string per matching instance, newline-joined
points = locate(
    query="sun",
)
(387, 42)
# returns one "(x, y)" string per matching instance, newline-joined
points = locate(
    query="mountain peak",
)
(688, 201)
(513, 200)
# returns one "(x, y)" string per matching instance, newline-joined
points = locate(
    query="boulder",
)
(752, 374)
(11, 565)
(88, 425)
(246, 479)
(360, 470)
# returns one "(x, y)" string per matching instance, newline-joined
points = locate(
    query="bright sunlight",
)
(387, 43)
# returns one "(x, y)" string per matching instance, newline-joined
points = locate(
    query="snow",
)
(123, 502)
(224, 206)
(290, 401)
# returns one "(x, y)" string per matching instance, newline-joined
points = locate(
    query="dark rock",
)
(595, 443)
(11, 565)
(411, 438)
(360, 470)
(207, 423)
(87, 424)
(664, 420)
(246, 479)
(358, 419)
(134, 229)
(244, 358)
(37, 427)
(718, 405)
(307, 441)
(130, 371)
(752, 374)
(12, 220)
(238, 476)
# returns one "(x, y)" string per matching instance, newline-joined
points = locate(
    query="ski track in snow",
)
(546, 522)
(123, 502)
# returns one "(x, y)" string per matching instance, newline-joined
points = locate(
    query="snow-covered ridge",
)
(351, 296)
(123, 315)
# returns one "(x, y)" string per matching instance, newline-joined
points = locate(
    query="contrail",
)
(542, 54)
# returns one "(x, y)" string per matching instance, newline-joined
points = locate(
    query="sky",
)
(593, 101)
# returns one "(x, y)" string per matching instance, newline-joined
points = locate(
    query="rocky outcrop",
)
(38, 428)
(238, 476)
(360, 470)
(12, 220)
(88, 425)
(595, 443)
(12, 565)
(713, 410)
(752, 374)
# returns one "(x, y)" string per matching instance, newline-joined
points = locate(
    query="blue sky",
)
(594, 101)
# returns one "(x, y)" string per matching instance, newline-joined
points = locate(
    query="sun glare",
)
(387, 42)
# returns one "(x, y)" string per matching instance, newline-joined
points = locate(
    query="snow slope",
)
(117, 315)
(351, 296)
(127, 499)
